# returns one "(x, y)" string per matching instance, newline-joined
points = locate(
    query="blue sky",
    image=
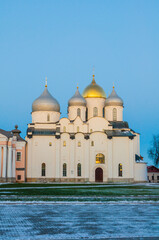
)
(63, 40)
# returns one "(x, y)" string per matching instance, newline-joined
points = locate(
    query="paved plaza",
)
(78, 221)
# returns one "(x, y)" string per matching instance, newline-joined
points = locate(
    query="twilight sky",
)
(63, 40)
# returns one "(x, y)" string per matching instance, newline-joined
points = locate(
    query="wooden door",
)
(99, 175)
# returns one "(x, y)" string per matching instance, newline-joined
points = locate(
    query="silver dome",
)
(46, 102)
(77, 100)
(113, 100)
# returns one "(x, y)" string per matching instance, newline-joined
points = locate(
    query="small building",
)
(153, 174)
(12, 156)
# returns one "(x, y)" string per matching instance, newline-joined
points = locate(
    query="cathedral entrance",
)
(99, 175)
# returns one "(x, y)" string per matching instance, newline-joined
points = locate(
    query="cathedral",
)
(93, 144)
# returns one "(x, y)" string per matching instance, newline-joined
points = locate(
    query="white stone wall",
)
(72, 112)
(95, 102)
(109, 113)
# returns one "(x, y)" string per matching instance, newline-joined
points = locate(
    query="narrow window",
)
(100, 158)
(79, 144)
(95, 112)
(92, 143)
(91, 130)
(103, 112)
(64, 129)
(64, 170)
(157, 177)
(48, 117)
(64, 143)
(86, 114)
(120, 170)
(50, 144)
(114, 114)
(153, 177)
(79, 170)
(19, 177)
(18, 156)
(77, 129)
(79, 112)
(43, 168)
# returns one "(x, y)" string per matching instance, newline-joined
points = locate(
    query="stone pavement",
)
(78, 221)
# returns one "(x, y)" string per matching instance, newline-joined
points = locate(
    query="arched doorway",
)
(99, 175)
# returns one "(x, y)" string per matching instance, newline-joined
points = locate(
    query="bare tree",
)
(153, 152)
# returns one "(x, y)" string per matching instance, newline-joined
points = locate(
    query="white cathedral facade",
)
(93, 144)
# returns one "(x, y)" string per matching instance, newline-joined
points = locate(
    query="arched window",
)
(77, 129)
(120, 170)
(100, 158)
(79, 144)
(48, 117)
(64, 170)
(64, 129)
(79, 170)
(114, 114)
(78, 112)
(43, 169)
(64, 143)
(95, 112)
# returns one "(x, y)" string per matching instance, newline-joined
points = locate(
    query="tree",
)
(153, 152)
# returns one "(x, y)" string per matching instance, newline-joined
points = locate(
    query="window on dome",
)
(64, 129)
(43, 169)
(64, 143)
(114, 114)
(48, 117)
(64, 170)
(92, 143)
(79, 170)
(100, 158)
(79, 144)
(120, 170)
(79, 112)
(95, 112)
(77, 129)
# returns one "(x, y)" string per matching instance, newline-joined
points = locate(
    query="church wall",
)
(140, 172)
(121, 155)
(40, 152)
(98, 124)
(100, 146)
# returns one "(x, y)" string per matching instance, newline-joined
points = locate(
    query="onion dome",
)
(114, 99)
(93, 90)
(77, 100)
(46, 102)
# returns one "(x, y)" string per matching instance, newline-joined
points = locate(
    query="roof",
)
(152, 169)
(119, 124)
(119, 133)
(9, 134)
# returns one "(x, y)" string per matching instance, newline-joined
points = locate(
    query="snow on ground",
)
(78, 221)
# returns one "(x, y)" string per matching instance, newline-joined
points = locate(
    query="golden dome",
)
(93, 90)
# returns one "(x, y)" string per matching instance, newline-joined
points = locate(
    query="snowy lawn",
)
(79, 192)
